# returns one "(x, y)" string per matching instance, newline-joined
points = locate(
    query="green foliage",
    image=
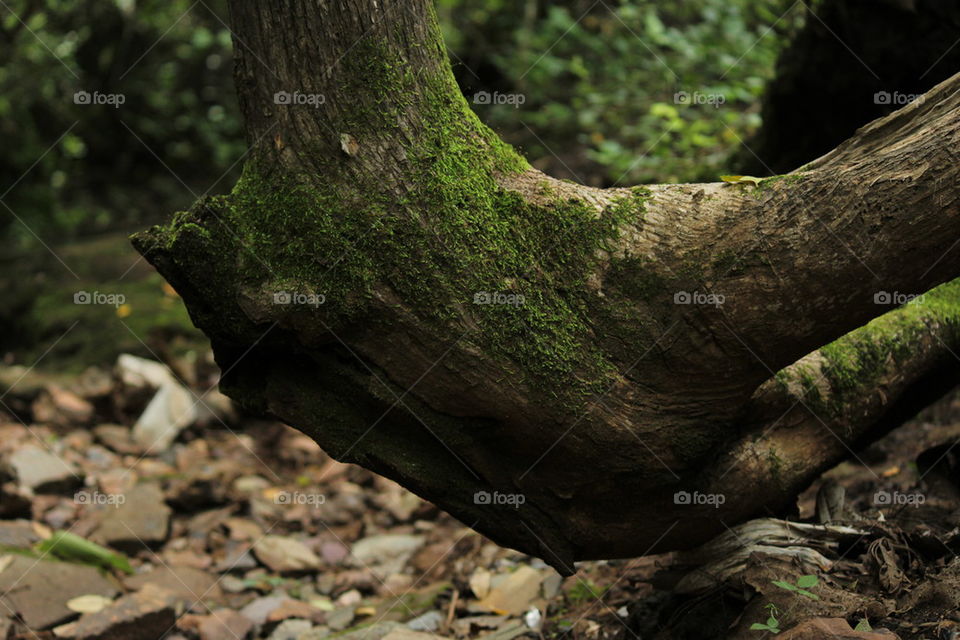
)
(72, 168)
(801, 586)
(772, 624)
(623, 93)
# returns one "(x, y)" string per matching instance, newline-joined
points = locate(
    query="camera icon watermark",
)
(496, 498)
(299, 498)
(97, 298)
(698, 298)
(696, 498)
(499, 297)
(300, 299)
(497, 98)
(96, 98)
(896, 99)
(97, 498)
(895, 298)
(715, 100)
(298, 98)
(896, 499)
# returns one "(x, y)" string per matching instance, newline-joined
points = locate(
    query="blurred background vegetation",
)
(599, 81)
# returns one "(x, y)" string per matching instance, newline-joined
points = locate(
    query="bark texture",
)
(391, 278)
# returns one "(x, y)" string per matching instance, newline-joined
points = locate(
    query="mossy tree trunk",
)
(394, 280)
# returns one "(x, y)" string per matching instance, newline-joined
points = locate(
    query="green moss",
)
(447, 234)
(860, 358)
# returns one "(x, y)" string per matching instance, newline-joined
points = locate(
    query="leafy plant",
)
(772, 624)
(801, 586)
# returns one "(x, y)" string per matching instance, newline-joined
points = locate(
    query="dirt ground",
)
(241, 528)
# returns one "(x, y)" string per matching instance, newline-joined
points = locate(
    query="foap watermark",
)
(513, 99)
(301, 299)
(96, 98)
(499, 297)
(714, 100)
(896, 499)
(698, 297)
(299, 498)
(97, 498)
(897, 298)
(299, 98)
(98, 298)
(497, 498)
(696, 498)
(896, 99)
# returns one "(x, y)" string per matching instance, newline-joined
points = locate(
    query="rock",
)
(39, 591)
(291, 608)
(402, 633)
(224, 624)
(291, 630)
(514, 594)
(148, 613)
(836, 628)
(56, 405)
(510, 631)
(283, 554)
(42, 471)
(189, 584)
(386, 553)
(19, 534)
(334, 552)
(341, 618)
(142, 519)
(376, 631)
(117, 438)
(139, 372)
(430, 621)
(258, 610)
(171, 409)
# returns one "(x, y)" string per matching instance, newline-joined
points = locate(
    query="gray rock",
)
(283, 554)
(148, 613)
(387, 553)
(19, 534)
(142, 519)
(291, 629)
(373, 632)
(42, 471)
(39, 591)
(430, 621)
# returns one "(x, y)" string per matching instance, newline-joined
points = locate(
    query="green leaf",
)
(786, 585)
(69, 546)
(741, 179)
(863, 625)
(805, 582)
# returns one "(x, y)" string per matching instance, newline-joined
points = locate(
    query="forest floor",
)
(240, 528)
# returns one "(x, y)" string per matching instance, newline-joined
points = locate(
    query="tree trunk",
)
(394, 280)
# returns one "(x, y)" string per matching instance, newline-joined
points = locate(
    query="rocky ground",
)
(135, 504)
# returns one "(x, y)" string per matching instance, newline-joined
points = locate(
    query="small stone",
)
(142, 519)
(291, 608)
(402, 633)
(224, 624)
(39, 591)
(42, 471)
(838, 628)
(118, 438)
(283, 554)
(334, 552)
(19, 534)
(258, 610)
(515, 593)
(191, 585)
(430, 621)
(56, 405)
(172, 408)
(291, 629)
(387, 553)
(340, 619)
(148, 613)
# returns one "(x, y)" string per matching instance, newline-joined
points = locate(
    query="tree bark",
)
(394, 280)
